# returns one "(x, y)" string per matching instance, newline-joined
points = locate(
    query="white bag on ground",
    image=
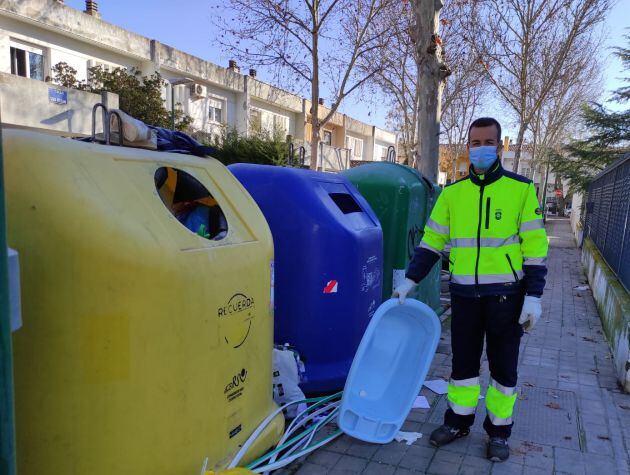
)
(286, 378)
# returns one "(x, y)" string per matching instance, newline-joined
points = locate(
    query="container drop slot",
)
(191, 203)
(346, 203)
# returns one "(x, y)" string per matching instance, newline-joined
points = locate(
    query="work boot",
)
(498, 449)
(446, 434)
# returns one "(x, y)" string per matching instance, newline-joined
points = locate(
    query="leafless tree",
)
(460, 106)
(398, 76)
(558, 118)
(432, 71)
(465, 87)
(307, 42)
(527, 48)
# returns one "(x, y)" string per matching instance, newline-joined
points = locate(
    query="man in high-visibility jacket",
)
(493, 222)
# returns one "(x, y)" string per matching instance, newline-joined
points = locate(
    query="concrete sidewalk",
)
(570, 416)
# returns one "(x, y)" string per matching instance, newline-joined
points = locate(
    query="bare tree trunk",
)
(430, 79)
(559, 199)
(315, 125)
(519, 145)
(455, 169)
(543, 199)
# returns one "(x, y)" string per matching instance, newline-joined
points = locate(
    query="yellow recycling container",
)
(145, 347)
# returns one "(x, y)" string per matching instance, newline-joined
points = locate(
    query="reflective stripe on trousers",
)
(500, 403)
(463, 395)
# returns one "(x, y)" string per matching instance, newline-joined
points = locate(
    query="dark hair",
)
(486, 122)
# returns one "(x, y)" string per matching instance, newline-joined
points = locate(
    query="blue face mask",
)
(482, 157)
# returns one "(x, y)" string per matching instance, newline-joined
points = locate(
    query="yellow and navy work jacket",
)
(494, 225)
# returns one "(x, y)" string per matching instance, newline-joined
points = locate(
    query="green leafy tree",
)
(139, 96)
(260, 147)
(608, 137)
(66, 76)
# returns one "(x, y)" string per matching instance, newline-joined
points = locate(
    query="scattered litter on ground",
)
(407, 437)
(586, 338)
(529, 385)
(603, 437)
(581, 287)
(553, 405)
(421, 402)
(438, 386)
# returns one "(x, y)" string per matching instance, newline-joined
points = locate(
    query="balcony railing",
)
(330, 159)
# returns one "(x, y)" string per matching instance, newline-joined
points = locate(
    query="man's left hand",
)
(531, 312)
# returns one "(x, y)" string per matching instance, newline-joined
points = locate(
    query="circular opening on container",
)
(191, 203)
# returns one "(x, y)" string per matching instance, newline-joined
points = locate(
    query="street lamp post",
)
(173, 83)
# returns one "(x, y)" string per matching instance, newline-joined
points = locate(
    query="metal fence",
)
(607, 220)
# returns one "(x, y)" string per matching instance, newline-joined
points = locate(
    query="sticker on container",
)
(331, 287)
(236, 430)
(370, 275)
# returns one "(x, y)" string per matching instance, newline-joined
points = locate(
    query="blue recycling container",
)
(328, 265)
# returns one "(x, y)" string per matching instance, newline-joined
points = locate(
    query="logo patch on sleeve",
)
(538, 211)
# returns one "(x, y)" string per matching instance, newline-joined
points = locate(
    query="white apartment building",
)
(37, 34)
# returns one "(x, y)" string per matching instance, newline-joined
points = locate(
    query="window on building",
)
(215, 110)
(255, 120)
(327, 137)
(269, 122)
(384, 153)
(27, 61)
(527, 172)
(356, 147)
(280, 125)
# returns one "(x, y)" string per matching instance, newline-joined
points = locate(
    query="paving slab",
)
(570, 417)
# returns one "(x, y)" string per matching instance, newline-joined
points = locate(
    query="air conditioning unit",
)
(197, 91)
(104, 66)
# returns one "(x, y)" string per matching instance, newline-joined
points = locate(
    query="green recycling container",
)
(402, 199)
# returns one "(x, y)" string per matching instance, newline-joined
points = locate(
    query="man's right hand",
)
(403, 290)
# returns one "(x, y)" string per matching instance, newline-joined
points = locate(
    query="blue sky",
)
(187, 25)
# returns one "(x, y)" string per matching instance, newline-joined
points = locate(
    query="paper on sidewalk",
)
(407, 437)
(421, 403)
(438, 386)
